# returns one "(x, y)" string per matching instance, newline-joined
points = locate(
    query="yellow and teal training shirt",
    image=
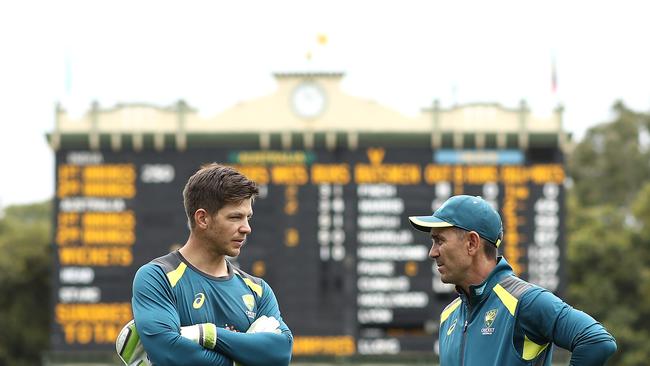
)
(506, 321)
(169, 293)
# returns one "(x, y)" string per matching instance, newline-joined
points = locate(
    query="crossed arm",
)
(158, 326)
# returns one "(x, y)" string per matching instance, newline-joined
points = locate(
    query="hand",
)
(265, 324)
(261, 325)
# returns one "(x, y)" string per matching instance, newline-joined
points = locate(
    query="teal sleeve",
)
(546, 318)
(158, 324)
(259, 349)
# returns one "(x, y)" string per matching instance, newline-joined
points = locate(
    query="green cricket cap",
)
(471, 213)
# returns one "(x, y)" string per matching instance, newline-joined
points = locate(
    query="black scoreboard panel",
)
(330, 235)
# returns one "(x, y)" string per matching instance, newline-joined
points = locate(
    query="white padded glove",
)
(265, 324)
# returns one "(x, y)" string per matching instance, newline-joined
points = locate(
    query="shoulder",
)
(528, 300)
(514, 286)
(169, 266)
(168, 262)
(256, 284)
(449, 309)
(543, 301)
(245, 275)
(513, 292)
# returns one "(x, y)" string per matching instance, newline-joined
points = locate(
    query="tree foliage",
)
(25, 283)
(611, 163)
(609, 231)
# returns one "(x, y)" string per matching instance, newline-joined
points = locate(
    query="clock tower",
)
(308, 99)
(310, 95)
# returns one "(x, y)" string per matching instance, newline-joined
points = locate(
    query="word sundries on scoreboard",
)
(330, 234)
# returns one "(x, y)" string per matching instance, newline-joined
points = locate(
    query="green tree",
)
(611, 163)
(608, 211)
(604, 278)
(25, 283)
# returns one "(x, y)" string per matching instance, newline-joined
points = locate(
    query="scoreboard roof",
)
(306, 107)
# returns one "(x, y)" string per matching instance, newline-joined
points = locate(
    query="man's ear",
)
(474, 243)
(201, 218)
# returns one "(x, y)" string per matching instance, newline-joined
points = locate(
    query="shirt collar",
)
(482, 290)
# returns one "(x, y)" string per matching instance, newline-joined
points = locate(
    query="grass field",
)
(560, 357)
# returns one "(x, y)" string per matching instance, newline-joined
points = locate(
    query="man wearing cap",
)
(498, 318)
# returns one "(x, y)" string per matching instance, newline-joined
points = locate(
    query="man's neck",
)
(480, 271)
(196, 252)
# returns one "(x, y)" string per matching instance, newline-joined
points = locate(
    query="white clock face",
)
(308, 100)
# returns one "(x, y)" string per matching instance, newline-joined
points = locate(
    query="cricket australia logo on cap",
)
(249, 301)
(490, 315)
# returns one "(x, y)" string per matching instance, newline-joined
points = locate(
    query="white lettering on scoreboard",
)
(381, 243)
(389, 346)
(544, 252)
(157, 173)
(331, 235)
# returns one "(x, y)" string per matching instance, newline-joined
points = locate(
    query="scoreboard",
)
(330, 234)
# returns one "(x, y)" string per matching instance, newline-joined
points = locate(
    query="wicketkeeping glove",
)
(129, 347)
(265, 324)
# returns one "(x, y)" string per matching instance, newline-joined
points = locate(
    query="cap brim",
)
(425, 223)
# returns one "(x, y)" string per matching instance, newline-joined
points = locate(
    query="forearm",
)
(172, 349)
(256, 349)
(593, 347)
(593, 355)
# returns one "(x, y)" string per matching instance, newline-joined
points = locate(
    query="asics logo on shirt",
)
(452, 327)
(198, 300)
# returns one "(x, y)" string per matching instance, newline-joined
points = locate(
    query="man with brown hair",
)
(191, 306)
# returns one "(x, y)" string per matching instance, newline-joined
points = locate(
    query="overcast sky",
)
(403, 54)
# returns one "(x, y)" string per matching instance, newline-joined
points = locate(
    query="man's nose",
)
(434, 252)
(245, 228)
